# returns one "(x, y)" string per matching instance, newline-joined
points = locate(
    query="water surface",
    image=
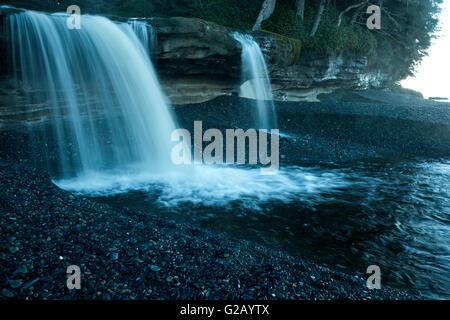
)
(395, 215)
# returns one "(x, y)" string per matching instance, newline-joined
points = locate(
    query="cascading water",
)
(146, 34)
(257, 85)
(110, 121)
(100, 88)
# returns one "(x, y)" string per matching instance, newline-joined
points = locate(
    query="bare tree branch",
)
(354, 6)
(267, 8)
(390, 16)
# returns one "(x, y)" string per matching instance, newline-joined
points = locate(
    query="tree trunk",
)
(267, 8)
(318, 17)
(300, 4)
(341, 15)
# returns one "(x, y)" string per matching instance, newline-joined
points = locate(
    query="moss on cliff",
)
(288, 49)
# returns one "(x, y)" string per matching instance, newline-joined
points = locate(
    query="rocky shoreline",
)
(360, 125)
(130, 255)
(125, 254)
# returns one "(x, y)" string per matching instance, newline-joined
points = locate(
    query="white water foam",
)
(211, 186)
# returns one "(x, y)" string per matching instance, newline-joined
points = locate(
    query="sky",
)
(433, 75)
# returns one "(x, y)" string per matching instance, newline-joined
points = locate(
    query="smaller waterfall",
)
(257, 82)
(146, 35)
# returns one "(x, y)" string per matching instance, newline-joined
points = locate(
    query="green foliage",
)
(285, 21)
(329, 39)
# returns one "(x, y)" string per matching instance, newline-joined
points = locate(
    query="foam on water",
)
(257, 82)
(210, 186)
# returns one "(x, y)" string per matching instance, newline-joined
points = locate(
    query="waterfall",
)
(257, 82)
(101, 89)
(146, 34)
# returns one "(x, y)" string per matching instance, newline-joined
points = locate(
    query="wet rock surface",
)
(125, 254)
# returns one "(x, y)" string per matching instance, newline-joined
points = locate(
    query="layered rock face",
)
(198, 60)
(301, 77)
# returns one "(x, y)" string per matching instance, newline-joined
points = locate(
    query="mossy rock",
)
(285, 51)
